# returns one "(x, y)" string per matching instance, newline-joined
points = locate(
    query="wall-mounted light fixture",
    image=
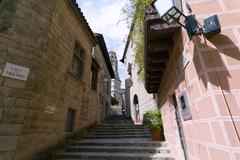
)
(170, 11)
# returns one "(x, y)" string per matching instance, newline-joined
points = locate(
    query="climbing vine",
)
(135, 12)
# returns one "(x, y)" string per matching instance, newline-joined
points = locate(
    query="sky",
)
(106, 17)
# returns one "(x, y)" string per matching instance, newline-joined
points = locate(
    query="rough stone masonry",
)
(40, 36)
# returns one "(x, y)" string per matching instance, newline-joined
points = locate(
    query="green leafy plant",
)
(153, 119)
(135, 16)
(114, 101)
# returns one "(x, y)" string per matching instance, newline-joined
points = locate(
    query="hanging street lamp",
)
(170, 11)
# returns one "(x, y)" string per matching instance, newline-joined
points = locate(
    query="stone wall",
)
(40, 36)
(211, 83)
(104, 84)
(136, 87)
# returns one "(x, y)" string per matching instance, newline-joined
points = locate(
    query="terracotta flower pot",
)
(157, 134)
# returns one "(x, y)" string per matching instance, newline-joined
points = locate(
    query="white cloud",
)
(106, 17)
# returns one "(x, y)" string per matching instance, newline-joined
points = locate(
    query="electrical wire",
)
(215, 75)
(223, 94)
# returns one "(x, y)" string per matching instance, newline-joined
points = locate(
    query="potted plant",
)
(154, 122)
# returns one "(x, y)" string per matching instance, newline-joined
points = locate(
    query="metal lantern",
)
(169, 10)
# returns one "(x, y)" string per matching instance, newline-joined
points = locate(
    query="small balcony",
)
(158, 43)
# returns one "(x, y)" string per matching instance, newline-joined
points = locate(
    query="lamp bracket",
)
(173, 15)
(211, 26)
(192, 26)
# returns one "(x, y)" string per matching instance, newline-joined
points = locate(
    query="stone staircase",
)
(118, 139)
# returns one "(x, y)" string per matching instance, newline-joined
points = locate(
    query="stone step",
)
(118, 130)
(113, 156)
(125, 149)
(121, 124)
(117, 140)
(120, 127)
(117, 133)
(123, 142)
(119, 120)
(119, 117)
(118, 123)
(117, 136)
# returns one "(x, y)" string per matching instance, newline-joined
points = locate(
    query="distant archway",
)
(137, 109)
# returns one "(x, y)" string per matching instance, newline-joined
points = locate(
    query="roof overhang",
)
(79, 14)
(158, 42)
(102, 44)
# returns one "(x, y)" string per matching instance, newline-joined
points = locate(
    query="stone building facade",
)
(45, 81)
(105, 75)
(116, 90)
(137, 100)
(198, 85)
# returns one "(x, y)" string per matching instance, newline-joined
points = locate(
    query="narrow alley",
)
(119, 80)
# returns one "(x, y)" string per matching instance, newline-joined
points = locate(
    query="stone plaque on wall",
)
(50, 109)
(15, 71)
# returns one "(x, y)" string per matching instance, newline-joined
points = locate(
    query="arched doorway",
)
(137, 109)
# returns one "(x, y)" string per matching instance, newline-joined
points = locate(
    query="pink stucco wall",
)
(212, 82)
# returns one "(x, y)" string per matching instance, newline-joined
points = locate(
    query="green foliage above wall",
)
(135, 12)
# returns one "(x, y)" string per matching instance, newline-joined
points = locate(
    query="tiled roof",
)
(103, 47)
(82, 19)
